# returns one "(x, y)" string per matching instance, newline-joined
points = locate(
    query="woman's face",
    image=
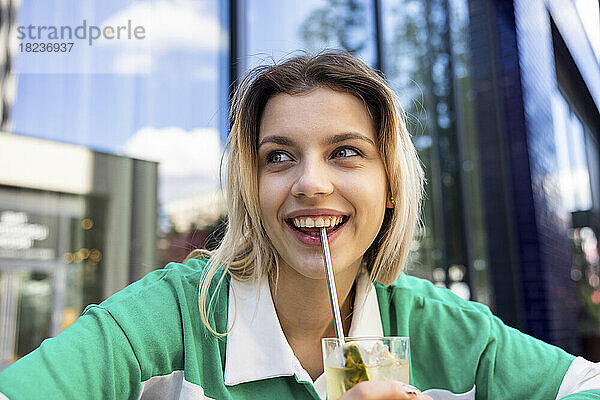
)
(319, 165)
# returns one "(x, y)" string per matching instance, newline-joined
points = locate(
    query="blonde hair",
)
(246, 251)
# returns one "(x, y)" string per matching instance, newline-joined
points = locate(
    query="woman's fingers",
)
(392, 390)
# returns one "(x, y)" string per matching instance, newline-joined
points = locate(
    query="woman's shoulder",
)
(415, 307)
(160, 309)
(165, 288)
(423, 293)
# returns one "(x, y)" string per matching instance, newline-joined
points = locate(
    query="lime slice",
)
(356, 370)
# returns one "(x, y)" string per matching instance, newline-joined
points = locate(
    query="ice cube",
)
(377, 353)
(336, 358)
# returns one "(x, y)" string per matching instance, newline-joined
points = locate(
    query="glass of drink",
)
(361, 359)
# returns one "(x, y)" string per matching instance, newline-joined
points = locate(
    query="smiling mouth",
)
(312, 225)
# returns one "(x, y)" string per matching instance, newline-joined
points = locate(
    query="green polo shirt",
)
(147, 341)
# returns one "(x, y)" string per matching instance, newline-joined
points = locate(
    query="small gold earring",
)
(392, 199)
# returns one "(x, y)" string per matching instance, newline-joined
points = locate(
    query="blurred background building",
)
(502, 98)
(75, 227)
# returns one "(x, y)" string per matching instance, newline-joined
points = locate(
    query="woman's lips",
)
(311, 240)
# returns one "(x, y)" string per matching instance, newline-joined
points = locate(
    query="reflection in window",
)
(158, 98)
(420, 50)
(51, 251)
(572, 169)
(35, 312)
(589, 13)
(311, 25)
(465, 128)
(585, 271)
(408, 64)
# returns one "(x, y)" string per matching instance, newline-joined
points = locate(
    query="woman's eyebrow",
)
(347, 136)
(281, 140)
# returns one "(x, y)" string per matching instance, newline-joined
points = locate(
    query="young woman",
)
(315, 141)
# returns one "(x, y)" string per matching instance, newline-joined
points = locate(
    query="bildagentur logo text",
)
(83, 32)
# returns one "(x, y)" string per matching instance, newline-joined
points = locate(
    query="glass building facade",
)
(501, 98)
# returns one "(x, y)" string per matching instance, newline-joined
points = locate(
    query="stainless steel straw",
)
(335, 307)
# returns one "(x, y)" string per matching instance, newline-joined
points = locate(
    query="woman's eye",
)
(277, 157)
(345, 152)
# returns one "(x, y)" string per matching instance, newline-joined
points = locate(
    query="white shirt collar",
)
(256, 346)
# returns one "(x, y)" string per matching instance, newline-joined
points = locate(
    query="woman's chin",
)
(311, 271)
(314, 270)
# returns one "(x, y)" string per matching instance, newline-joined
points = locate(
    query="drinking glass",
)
(363, 358)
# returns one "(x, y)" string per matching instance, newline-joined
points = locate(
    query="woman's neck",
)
(304, 312)
(303, 306)
(309, 315)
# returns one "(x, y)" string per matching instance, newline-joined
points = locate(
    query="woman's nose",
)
(312, 180)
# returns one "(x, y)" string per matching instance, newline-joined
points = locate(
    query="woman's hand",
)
(390, 390)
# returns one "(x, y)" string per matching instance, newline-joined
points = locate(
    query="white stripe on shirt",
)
(582, 375)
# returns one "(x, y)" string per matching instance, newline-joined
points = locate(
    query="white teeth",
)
(308, 222)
